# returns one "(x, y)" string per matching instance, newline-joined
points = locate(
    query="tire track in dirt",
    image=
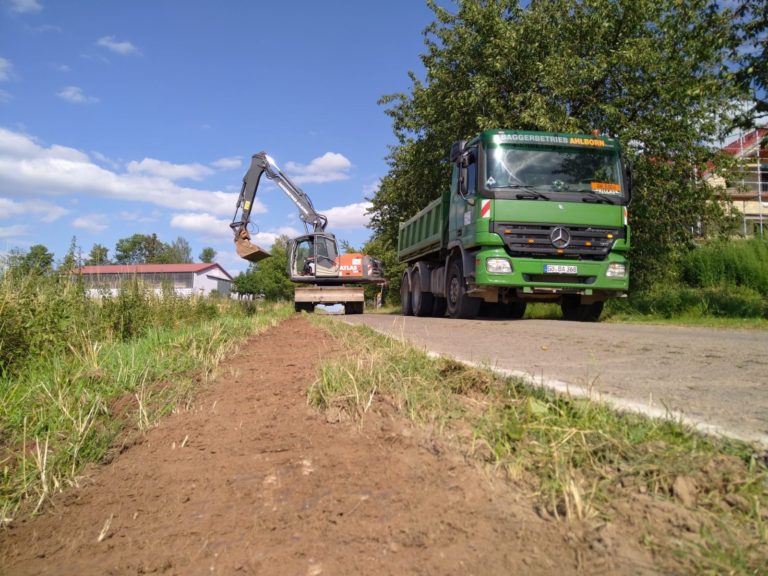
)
(254, 481)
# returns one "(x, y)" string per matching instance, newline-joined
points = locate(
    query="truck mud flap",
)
(250, 251)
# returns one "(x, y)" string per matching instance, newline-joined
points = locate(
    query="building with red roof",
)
(750, 192)
(185, 279)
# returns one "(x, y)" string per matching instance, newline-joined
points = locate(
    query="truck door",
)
(463, 197)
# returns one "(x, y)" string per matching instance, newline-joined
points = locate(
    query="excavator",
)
(326, 276)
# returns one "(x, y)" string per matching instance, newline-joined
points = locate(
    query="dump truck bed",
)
(425, 232)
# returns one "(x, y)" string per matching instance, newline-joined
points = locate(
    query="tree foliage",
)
(652, 73)
(99, 255)
(38, 260)
(269, 277)
(149, 249)
(207, 255)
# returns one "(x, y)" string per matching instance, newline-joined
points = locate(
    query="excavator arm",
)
(313, 258)
(261, 164)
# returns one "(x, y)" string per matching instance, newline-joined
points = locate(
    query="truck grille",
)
(556, 241)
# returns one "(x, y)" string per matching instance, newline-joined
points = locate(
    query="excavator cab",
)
(313, 257)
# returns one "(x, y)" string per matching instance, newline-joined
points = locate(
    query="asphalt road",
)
(714, 379)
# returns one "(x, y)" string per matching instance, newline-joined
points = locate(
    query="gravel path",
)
(714, 379)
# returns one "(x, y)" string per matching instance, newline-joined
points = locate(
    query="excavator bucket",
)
(250, 251)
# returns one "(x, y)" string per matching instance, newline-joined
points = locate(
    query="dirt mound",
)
(254, 481)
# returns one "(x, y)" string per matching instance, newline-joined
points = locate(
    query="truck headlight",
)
(498, 266)
(616, 270)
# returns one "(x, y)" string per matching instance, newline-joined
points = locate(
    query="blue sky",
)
(138, 116)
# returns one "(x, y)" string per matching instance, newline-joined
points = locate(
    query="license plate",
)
(560, 269)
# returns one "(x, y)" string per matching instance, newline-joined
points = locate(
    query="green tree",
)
(73, 258)
(177, 252)
(98, 255)
(36, 260)
(652, 73)
(140, 249)
(208, 255)
(751, 58)
(268, 277)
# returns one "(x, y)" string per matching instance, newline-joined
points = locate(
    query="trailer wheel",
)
(303, 306)
(406, 302)
(421, 301)
(459, 304)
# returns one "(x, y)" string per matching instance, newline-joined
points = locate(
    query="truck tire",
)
(439, 307)
(303, 307)
(515, 310)
(406, 302)
(459, 304)
(421, 301)
(574, 310)
(354, 308)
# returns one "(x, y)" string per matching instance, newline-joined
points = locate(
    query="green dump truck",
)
(529, 217)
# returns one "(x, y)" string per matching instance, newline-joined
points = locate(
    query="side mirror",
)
(457, 149)
(628, 180)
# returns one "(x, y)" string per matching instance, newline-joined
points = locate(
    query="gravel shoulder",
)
(713, 378)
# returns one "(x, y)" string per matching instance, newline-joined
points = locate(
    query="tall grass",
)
(719, 279)
(75, 371)
(580, 454)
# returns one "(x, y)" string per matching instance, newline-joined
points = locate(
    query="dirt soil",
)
(252, 480)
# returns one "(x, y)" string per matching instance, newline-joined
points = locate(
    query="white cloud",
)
(348, 217)
(76, 95)
(168, 170)
(204, 224)
(213, 229)
(25, 6)
(228, 163)
(46, 212)
(29, 169)
(330, 167)
(111, 43)
(372, 189)
(62, 67)
(13, 231)
(5, 69)
(91, 222)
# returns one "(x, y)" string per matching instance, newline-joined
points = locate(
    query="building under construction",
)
(750, 192)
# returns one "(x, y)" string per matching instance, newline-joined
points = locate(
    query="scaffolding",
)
(752, 189)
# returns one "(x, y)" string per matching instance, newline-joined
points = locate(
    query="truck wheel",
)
(439, 306)
(459, 304)
(515, 310)
(573, 309)
(406, 302)
(421, 301)
(303, 306)
(354, 308)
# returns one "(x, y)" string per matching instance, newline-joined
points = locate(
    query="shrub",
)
(732, 262)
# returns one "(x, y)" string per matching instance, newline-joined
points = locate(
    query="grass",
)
(87, 377)
(579, 456)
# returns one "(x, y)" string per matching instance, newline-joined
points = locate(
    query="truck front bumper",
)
(553, 275)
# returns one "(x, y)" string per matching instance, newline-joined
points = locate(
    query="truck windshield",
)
(595, 175)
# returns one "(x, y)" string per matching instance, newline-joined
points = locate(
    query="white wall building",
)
(185, 279)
